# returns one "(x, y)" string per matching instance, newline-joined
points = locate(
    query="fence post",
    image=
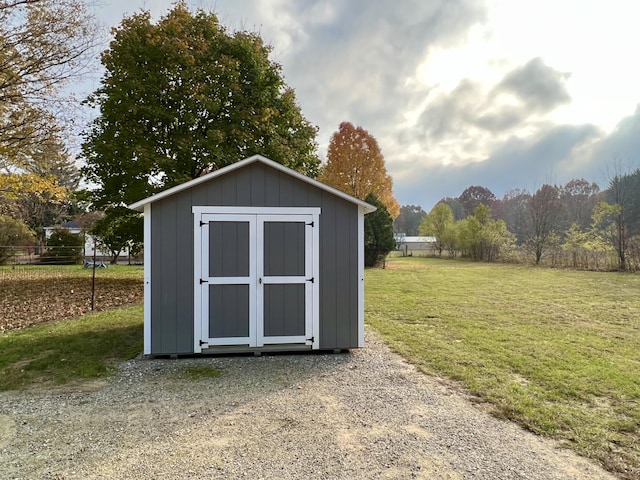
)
(93, 274)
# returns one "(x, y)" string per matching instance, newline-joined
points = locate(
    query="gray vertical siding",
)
(184, 269)
(171, 261)
(255, 185)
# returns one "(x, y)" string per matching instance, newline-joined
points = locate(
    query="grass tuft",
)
(200, 372)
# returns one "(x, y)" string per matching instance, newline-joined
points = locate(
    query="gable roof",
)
(139, 205)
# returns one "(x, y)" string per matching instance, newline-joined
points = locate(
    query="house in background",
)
(253, 257)
(410, 245)
(91, 243)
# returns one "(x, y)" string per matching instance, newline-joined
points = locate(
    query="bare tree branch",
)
(5, 5)
(43, 46)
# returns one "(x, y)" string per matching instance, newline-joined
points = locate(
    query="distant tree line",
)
(575, 225)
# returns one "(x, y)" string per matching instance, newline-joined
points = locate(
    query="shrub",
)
(13, 233)
(63, 248)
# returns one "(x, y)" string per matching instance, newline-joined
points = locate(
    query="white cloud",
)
(457, 92)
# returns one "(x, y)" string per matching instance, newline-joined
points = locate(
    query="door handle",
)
(260, 280)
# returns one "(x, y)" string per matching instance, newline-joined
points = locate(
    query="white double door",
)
(257, 280)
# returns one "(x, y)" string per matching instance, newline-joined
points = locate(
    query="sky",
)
(503, 94)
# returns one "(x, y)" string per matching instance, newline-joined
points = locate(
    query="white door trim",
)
(361, 213)
(257, 210)
(201, 257)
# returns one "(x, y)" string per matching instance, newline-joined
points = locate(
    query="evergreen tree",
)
(378, 233)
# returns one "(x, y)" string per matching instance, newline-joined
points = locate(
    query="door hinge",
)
(309, 224)
(312, 279)
(202, 280)
(202, 342)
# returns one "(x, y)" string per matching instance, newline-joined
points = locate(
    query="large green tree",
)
(440, 224)
(183, 97)
(456, 207)
(120, 229)
(481, 238)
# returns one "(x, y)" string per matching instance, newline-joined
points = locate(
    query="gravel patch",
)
(360, 415)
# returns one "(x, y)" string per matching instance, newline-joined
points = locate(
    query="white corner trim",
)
(147, 279)
(361, 212)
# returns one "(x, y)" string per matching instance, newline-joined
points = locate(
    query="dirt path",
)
(362, 415)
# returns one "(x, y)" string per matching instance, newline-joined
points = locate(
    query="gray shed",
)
(254, 256)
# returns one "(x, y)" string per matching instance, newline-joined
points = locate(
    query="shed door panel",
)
(229, 249)
(285, 278)
(228, 283)
(284, 248)
(284, 311)
(230, 317)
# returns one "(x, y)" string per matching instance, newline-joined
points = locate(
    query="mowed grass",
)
(70, 350)
(556, 351)
(51, 272)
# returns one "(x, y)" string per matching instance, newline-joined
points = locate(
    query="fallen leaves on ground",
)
(24, 303)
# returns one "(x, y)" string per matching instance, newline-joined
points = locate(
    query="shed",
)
(251, 257)
(409, 244)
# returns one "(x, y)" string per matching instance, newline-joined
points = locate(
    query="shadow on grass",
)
(77, 349)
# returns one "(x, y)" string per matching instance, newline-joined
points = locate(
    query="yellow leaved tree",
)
(355, 165)
(34, 199)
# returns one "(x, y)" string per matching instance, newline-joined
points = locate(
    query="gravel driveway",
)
(359, 415)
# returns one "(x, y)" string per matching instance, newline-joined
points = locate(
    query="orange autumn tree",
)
(355, 165)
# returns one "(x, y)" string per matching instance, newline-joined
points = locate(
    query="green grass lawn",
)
(19, 272)
(557, 351)
(59, 352)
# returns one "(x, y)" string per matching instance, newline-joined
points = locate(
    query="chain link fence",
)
(37, 286)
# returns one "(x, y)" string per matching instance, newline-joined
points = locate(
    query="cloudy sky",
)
(498, 93)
